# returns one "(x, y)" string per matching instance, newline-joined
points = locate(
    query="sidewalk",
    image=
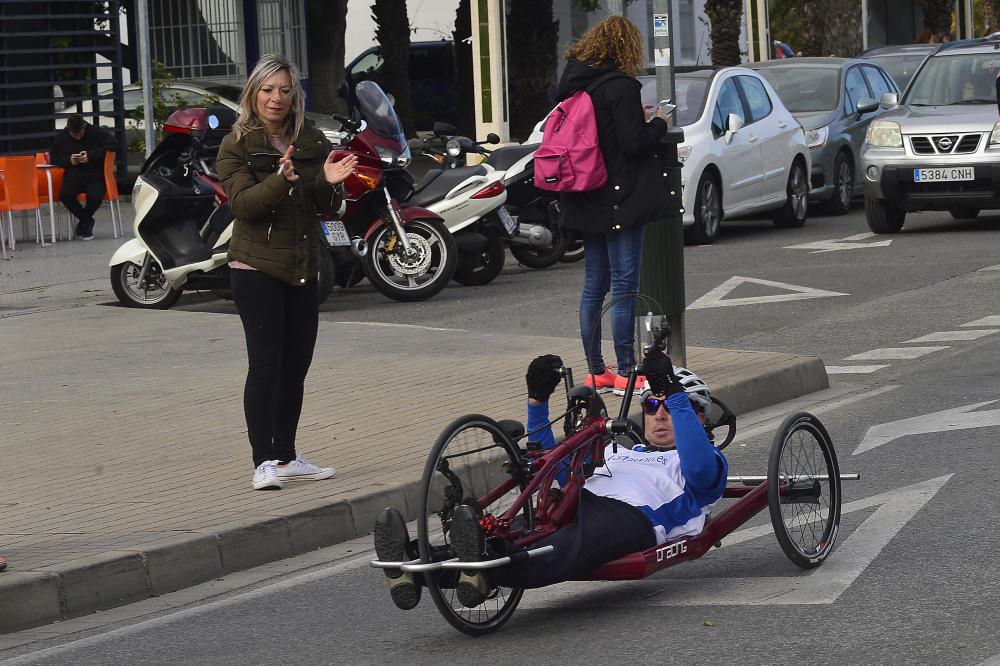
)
(128, 469)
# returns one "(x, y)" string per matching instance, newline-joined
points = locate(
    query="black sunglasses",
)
(652, 405)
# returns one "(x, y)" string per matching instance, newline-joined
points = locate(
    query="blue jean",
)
(611, 262)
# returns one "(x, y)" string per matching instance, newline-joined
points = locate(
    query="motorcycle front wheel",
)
(418, 275)
(153, 294)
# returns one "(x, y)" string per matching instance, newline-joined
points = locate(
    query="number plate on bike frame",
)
(336, 233)
(509, 223)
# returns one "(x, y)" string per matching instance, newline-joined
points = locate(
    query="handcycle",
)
(526, 493)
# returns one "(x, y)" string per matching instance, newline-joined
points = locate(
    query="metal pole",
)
(748, 29)
(145, 72)
(616, 8)
(864, 25)
(763, 30)
(662, 268)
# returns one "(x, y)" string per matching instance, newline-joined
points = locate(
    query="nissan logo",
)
(944, 143)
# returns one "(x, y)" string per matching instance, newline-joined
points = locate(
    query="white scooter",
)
(183, 222)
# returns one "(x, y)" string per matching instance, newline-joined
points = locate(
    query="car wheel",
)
(796, 209)
(843, 180)
(964, 213)
(883, 217)
(707, 212)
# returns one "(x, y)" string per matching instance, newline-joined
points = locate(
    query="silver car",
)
(939, 149)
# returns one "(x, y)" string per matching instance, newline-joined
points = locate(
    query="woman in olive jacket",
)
(610, 218)
(278, 172)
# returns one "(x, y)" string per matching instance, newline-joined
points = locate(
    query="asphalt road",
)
(912, 580)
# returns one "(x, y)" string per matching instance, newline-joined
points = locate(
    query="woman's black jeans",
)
(280, 322)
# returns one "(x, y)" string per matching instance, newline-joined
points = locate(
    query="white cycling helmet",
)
(694, 386)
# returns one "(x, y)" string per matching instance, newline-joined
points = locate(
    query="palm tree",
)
(726, 20)
(937, 17)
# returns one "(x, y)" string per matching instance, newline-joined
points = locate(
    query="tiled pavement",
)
(123, 436)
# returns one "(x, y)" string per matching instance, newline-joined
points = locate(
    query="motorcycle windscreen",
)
(166, 152)
(376, 109)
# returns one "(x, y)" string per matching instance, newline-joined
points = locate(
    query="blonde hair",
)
(615, 39)
(268, 65)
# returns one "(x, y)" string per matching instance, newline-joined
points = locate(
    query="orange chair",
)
(110, 195)
(3, 203)
(21, 186)
(49, 184)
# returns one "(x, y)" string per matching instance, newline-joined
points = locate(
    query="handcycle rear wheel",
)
(803, 490)
(472, 457)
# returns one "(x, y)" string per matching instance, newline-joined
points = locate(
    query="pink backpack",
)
(569, 158)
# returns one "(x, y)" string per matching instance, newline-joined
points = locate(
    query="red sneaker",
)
(622, 382)
(603, 382)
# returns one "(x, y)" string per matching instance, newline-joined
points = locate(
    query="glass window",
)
(729, 102)
(757, 98)
(901, 67)
(690, 98)
(967, 78)
(367, 66)
(856, 89)
(804, 89)
(876, 82)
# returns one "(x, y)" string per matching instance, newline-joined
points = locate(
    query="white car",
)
(743, 151)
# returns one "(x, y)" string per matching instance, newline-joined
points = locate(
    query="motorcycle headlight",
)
(817, 138)
(995, 135)
(387, 156)
(405, 157)
(453, 148)
(884, 134)
(683, 152)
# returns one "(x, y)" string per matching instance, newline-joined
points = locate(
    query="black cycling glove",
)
(543, 376)
(659, 371)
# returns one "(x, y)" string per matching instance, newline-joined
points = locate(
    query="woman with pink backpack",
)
(610, 216)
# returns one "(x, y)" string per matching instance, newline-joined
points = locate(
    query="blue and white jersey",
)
(675, 488)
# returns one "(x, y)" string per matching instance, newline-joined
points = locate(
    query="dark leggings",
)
(604, 529)
(280, 322)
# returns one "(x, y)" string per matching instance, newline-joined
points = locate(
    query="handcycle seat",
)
(511, 428)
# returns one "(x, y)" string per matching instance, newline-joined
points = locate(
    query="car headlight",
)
(995, 135)
(683, 152)
(817, 138)
(884, 134)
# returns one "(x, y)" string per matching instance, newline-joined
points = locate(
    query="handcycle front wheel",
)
(471, 461)
(803, 490)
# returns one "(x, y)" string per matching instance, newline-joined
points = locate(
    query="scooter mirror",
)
(213, 121)
(492, 138)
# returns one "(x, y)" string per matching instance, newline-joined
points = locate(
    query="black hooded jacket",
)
(636, 191)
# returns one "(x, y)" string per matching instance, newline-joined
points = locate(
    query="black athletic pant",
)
(604, 529)
(89, 183)
(280, 322)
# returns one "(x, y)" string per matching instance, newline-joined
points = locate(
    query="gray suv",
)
(939, 149)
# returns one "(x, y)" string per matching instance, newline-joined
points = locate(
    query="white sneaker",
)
(265, 477)
(301, 469)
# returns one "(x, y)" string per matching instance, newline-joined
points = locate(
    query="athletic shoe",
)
(603, 382)
(391, 540)
(622, 382)
(301, 469)
(467, 540)
(265, 477)
(87, 237)
(3, 563)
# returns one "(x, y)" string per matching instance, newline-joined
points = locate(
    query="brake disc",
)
(417, 263)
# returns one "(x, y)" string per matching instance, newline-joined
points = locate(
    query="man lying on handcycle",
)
(657, 491)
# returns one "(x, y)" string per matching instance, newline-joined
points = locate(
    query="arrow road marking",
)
(822, 585)
(849, 243)
(957, 418)
(993, 320)
(716, 297)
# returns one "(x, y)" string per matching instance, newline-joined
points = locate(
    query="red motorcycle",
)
(406, 252)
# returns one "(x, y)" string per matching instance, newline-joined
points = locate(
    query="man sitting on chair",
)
(660, 490)
(79, 150)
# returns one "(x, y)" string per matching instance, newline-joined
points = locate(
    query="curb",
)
(119, 577)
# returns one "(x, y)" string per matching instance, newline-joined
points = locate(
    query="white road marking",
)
(849, 243)
(894, 353)
(853, 369)
(953, 336)
(392, 325)
(957, 418)
(990, 268)
(716, 298)
(822, 585)
(992, 320)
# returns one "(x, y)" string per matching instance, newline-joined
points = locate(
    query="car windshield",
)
(968, 78)
(901, 67)
(690, 98)
(804, 89)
